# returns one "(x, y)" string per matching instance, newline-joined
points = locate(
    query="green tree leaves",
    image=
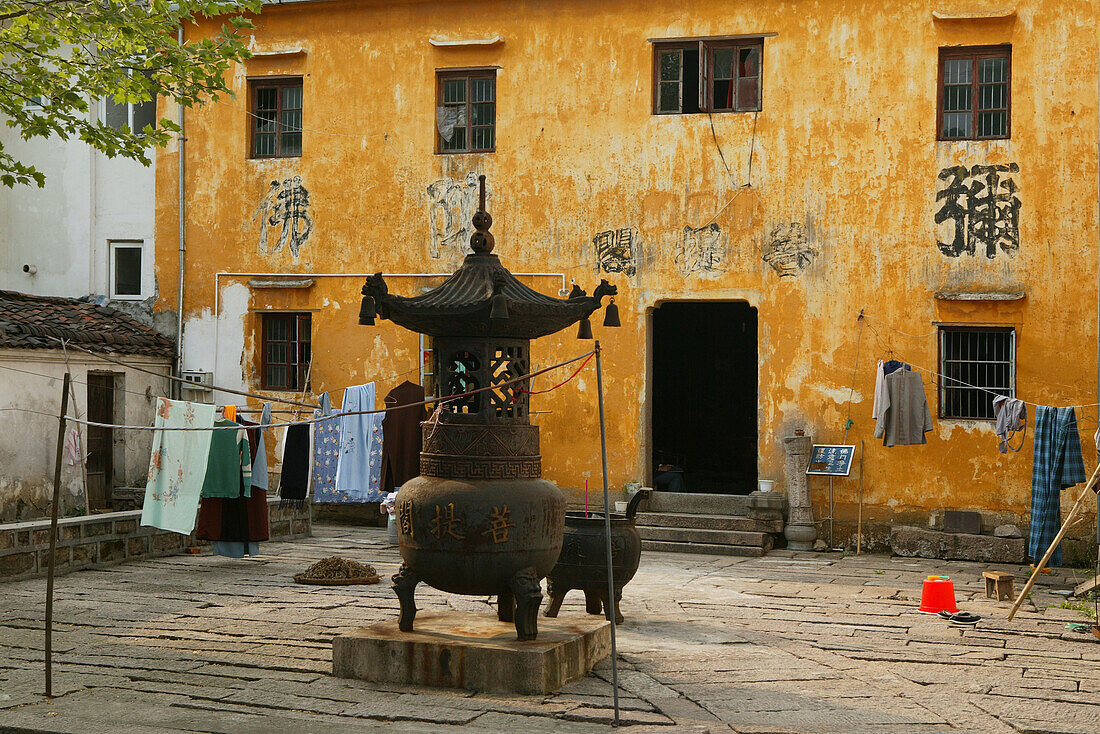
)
(59, 58)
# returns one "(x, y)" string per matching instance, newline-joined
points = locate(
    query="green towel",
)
(229, 469)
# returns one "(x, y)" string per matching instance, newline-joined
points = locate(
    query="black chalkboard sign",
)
(831, 460)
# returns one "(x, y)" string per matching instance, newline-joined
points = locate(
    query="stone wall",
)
(110, 538)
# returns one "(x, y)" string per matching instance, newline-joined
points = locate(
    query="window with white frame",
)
(125, 269)
(976, 365)
(134, 115)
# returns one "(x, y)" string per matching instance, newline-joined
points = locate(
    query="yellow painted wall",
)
(845, 145)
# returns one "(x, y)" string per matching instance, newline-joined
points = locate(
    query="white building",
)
(89, 231)
(76, 257)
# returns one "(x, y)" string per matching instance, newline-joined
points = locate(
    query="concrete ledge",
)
(472, 651)
(112, 537)
(922, 543)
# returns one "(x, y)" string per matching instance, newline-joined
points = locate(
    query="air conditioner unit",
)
(198, 387)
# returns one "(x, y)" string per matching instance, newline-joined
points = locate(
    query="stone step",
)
(671, 546)
(712, 537)
(708, 522)
(698, 504)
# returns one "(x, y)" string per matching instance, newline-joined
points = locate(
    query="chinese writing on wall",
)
(981, 206)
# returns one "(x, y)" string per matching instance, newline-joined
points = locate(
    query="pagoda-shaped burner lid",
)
(482, 298)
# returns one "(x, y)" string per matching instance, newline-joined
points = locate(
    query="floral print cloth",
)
(177, 466)
(359, 471)
(326, 453)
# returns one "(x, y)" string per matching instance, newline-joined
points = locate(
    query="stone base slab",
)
(473, 651)
(924, 543)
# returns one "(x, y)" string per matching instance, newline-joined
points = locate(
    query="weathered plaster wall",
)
(27, 447)
(840, 215)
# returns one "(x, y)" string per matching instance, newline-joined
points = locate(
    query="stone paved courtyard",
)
(793, 642)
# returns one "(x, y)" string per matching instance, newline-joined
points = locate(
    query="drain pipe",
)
(182, 246)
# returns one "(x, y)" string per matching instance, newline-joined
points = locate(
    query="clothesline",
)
(310, 421)
(957, 381)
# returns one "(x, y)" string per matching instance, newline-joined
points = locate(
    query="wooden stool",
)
(999, 584)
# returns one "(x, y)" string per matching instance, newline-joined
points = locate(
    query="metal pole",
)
(607, 534)
(53, 533)
(181, 235)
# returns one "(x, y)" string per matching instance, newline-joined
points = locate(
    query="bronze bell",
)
(500, 307)
(585, 330)
(611, 315)
(366, 311)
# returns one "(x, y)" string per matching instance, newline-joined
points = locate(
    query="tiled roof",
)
(28, 322)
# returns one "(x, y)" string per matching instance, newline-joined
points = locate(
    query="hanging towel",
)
(1011, 417)
(259, 458)
(229, 412)
(904, 416)
(1057, 466)
(326, 453)
(359, 470)
(880, 390)
(892, 365)
(230, 465)
(294, 478)
(254, 504)
(177, 466)
(401, 431)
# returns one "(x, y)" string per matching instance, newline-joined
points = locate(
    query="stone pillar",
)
(801, 531)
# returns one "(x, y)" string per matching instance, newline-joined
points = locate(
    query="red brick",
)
(83, 554)
(167, 541)
(92, 529)
(16, 564)
(60, 558)
(111, 550)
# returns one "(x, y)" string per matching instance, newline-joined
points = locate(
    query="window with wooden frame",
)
(976, 365)
(285, 351)
(466, 111)
(276, 117)
(707, 76)
(975, 99)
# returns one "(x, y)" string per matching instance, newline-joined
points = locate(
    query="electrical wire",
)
(322, 418)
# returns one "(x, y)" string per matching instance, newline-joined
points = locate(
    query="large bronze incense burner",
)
(479, 519)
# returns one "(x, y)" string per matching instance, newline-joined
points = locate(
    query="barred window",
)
(286, 351)
(976, 365)
(276, 119)
(974, 94)
(466, 111)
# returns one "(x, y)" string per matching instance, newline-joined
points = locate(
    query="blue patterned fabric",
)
(1057, 465)
(326, 453)
(359, 471)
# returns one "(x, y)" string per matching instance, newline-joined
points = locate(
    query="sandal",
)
(965, 618)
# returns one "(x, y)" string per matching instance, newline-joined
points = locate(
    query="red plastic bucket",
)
(938, 595)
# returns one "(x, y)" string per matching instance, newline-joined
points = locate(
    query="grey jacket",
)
(1011, 416)
(902, 417)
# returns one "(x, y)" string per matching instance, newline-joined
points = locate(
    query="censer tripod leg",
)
(557, 596)
(404, 585)
(506, 606)
(528, 594)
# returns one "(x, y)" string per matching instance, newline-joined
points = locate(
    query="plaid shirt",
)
(1057, 465)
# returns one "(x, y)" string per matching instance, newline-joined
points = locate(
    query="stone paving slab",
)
(791, 642)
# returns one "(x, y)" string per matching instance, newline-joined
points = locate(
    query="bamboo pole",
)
(1057, 539)
(53, 532)
(859, 521)
(607, 536)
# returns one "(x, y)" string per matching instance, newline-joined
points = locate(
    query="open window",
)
(707, 76)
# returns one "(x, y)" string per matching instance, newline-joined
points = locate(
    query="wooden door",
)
(101, 403)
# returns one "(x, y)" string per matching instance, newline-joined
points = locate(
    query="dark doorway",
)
(101, 445)
(705, 394)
